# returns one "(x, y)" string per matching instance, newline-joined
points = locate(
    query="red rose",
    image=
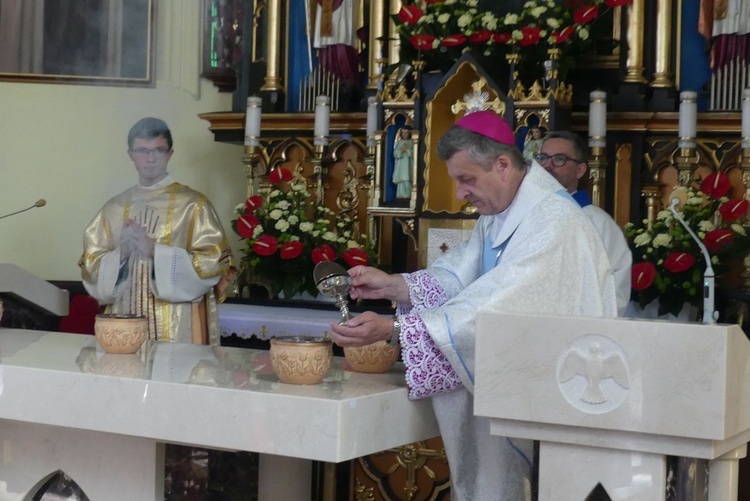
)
(501, 38)
(679, 261)
(585, 14)
(716, 185)
(246, 223)
(733, 209)
(531, 35)
(265, 245)
(280, 174)
(616, 3)
(561, 36)
(480, 36)
(254, 202)
(323, 253)
(718, 240)
(422, 42)
(355, 256)
(643, 275)
(409, 14)
(454, 40)
(292, 249)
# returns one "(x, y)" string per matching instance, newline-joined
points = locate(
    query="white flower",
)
(450, 2)
(694, 200)
(517, 35)
(663, 214)
(724, 199)
(306, 227)
(706, 226)
(444, 18)
(316, 233)
(510, 19)
(283, 205)
(738, 229)
(258, 231)
(281, 225)
(330, 236)
(274, 194)
(715, 260)
(553, 23)
(351, 244)
(294, 238)
(464, 20)
(427, 18)
(275, 214)
(435, 43)
(472, 3)
(239, 208)
(299, 187)
(293, 219)
(662, 240)
(538, 11)
(341, 240)
(529, 4)
(489, 21)
(642, 239)
(583, 33)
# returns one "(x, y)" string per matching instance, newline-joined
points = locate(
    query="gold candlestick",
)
(598, 174)
(686, 165)
(320, 170)
(254, 168)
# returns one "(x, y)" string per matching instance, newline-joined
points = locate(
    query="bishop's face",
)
(490, 191)
(150, 157)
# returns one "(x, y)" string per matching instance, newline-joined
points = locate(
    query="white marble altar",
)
(609, 399)
(101, 418)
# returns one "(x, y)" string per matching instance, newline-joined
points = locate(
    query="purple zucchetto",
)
(488, 124)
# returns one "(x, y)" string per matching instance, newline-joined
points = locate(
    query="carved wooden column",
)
(272, 82)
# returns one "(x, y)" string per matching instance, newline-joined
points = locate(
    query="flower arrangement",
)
(439, 31)
(286, 234)
(668, 265)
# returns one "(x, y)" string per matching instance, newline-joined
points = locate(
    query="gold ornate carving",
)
(478, 100)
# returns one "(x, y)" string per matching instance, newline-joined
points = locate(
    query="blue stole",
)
(582, 198)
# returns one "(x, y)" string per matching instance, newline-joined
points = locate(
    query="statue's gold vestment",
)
(176, 217)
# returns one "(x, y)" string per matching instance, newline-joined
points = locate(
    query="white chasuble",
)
(175, 289)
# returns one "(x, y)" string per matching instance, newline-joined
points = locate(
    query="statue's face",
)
(150, 157)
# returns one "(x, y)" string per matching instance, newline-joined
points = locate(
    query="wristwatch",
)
(396, 334)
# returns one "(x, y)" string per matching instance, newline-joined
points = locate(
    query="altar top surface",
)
(216, 397)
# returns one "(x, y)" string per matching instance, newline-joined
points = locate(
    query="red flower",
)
(531, 35)
(733, 209)
(716, 185)
(323, 253)
(355, 256)
(254, 202)
(560, 36)
(679, 261)
(616, 3)
(480, 36)
(643, 275)
(422, 42)
(246, 223)
(292, 249)
(501, 38)
(454, 40)
(585, 14)
(718, 240)
(265, 245)
(280, 174)
(409, 14)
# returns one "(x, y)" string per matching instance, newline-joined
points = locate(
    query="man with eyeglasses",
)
(158, 249)
(563, 154)
(532, 250)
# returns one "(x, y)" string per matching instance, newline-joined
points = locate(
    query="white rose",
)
(306, 226)
(472, 3)
(706, 226)
(299, 187)
(330, 236)
(715, 260)
(464, 20)
(694, 201)
(351, 244)
(444, 18)
(738, 229)
(517, 35)
(275, 214)
(642, 239)
(510, 19)
(435, 44)
(257, 231)
(240, 208)
(283, 205)
(553, 23)
(341, 240)
(538, 11)
(489, 21)
(583, 33)
(316, 233)
(663, 214)
(293, 219)
(662, 240)
(294, 238)
(274, 194)
(281, 225)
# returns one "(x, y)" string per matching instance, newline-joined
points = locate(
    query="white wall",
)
(67, 144)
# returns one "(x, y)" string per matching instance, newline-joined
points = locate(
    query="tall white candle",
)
(252, 121)
(598, 119)
(688, 119)
(746, 118)
(372, 120)
(322, 120)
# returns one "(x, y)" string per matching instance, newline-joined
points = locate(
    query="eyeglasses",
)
(558, 159)
(160, 152)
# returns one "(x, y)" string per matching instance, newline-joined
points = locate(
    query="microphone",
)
(39, 203)
(709, 315)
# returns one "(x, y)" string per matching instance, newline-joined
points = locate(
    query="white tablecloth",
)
(265, 322)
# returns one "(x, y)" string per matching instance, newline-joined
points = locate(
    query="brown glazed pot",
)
(374, 358)
(120, 333)
(301, 360)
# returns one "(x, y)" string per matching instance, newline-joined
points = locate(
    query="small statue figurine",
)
(533, 143)
(403, 153)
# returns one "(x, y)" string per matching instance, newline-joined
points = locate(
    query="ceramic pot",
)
(374, 358)
(120, 333)
(301, 360)
(113, 364)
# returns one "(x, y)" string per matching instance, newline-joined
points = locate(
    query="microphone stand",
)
(709, 314)
(39, 203)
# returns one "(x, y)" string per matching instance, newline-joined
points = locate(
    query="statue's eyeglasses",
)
(160, 152)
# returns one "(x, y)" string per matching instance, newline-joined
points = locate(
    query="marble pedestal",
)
(610, 399)
(103, 419)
